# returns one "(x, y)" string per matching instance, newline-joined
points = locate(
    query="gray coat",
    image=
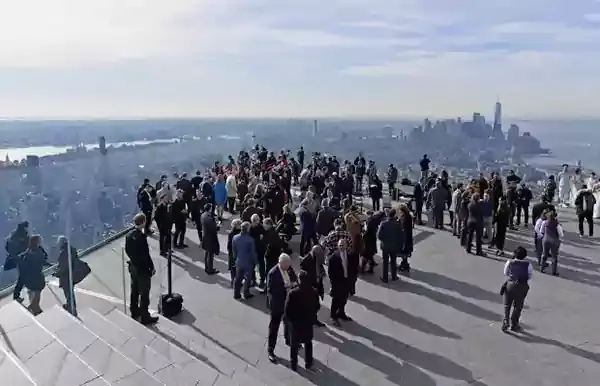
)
(437, 198)
(210, 236)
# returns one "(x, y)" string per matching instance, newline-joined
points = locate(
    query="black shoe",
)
(163, 254)
(516, 328)
(18, 299)
(384, 279)
(248, 296)
(336, 322)
(212, 272)
(272, 357)
(504, 327)
(148, 320)
(395, 278)
(318, 323)
(237, 297)
(294, 367)
(345, 318)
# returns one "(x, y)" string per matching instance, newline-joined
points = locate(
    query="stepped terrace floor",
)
(440, 326)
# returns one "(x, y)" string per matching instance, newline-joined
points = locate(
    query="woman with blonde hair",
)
(31, 269)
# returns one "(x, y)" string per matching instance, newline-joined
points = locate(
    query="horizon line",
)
(357, 117)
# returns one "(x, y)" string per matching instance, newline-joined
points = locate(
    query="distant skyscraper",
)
(427, 126)
(513, 134)
(315, 128)
(102, 145)
(478, 120)
(497, 129)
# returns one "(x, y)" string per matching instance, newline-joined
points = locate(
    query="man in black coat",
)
(338, 272)
(280, 280)
(391, 236)
(141, 270)
(164, 222)
(313, 265)
(301, 306)
(179, 214)
(145, 203)
(210, 239)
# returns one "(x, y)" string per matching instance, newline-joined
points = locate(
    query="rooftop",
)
(440, 326)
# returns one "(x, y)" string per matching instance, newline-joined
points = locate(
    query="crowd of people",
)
(339, 237)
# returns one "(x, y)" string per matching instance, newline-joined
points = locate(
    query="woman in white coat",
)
(231, 186)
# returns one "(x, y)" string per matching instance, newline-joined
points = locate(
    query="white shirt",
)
(286, 277)
(344, 257)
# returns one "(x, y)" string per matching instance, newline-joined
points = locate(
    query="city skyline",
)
(298, 58)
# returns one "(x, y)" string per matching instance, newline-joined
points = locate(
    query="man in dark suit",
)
(141, 270)
(280, 280)
(338, 273)
(301, 306)
(210, 239)
(312, 264)
(145, 203)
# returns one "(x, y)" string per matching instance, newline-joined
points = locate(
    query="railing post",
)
(124, 279)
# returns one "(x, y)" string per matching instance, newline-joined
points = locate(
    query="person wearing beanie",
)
(518, 272)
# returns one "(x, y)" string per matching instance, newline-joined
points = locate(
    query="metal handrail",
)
(82, 253)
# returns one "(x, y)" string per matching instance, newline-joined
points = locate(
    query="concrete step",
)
(11, 368)
(190, 358)
(48, 360)
(105, 359)
(226, 362)
(144, 356)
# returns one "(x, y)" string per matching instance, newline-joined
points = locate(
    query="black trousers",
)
(513, 211)
(274, 324)
(376, 204)
(338, 304)
(525, 210)
(148, 215)
(209, 261)
(514, 300)
(164, 240)
(179, 234)
(588, 217)
(199, 230)
(296, 339)
(18, 287)
(391, 187)
(139, 301)
(438, 217)
(389, 262)
(231, 204)
(306, 242)
(474, 229)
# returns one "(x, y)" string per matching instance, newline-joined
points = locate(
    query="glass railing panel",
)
(98, 193)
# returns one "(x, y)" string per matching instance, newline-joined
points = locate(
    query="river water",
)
(19, 153)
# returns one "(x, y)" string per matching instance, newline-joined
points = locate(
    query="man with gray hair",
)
(244, 253)
(280, 279)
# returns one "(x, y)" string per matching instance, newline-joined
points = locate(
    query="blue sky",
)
(255, 58)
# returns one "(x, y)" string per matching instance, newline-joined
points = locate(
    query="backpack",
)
(588, 202)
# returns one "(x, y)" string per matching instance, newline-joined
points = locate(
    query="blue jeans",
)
(242, 273)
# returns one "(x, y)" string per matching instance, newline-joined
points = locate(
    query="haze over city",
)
(263, 58)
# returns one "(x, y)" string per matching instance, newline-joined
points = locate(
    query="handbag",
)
(11, 263)
(81, 270)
